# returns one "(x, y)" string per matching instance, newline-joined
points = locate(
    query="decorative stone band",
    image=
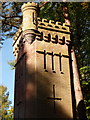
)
(29, 35)
(54, 38)
(26, 36)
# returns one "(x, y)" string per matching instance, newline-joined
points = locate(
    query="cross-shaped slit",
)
(54, 98)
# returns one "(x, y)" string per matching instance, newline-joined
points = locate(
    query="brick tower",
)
(43, 74)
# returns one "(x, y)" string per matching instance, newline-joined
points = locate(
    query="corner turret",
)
(29, 25)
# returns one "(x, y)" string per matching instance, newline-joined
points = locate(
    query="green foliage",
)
(52, 11)
(80, 27)
(85, 81)
(5, 111)
(11, 18)
(10, 115)
(12, 64)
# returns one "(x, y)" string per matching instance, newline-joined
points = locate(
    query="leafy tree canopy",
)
(79, 14)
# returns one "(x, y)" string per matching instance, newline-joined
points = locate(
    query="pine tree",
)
(5, 104)
(11, 18)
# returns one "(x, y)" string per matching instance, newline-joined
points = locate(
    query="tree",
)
(80, 28)
(12, 64)
(77, 88)
(11, 18)
(5, 111)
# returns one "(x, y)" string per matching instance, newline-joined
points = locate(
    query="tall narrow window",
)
(41, 36)
(49, 37)
(52, 61)
(63, 40)
(45, 59)
(60, 61)
(56, 38)
(33, 17)
(44, 53)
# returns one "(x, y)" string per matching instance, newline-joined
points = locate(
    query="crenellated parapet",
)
(34, 28)
(50, 24)
(48, 31)
(55, 32)
(18, 42)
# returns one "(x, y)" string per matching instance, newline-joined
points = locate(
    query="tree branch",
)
(43, 4)
(11, 25)
(6, 4)
(10, 16)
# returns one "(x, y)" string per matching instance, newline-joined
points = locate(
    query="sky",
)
(6, 74)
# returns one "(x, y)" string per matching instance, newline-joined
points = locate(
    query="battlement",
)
(50, 24)
(35, 28)
(29, 4)
(47, 24)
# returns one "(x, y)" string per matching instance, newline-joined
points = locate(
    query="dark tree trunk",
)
(76, 80)
(77, 88)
